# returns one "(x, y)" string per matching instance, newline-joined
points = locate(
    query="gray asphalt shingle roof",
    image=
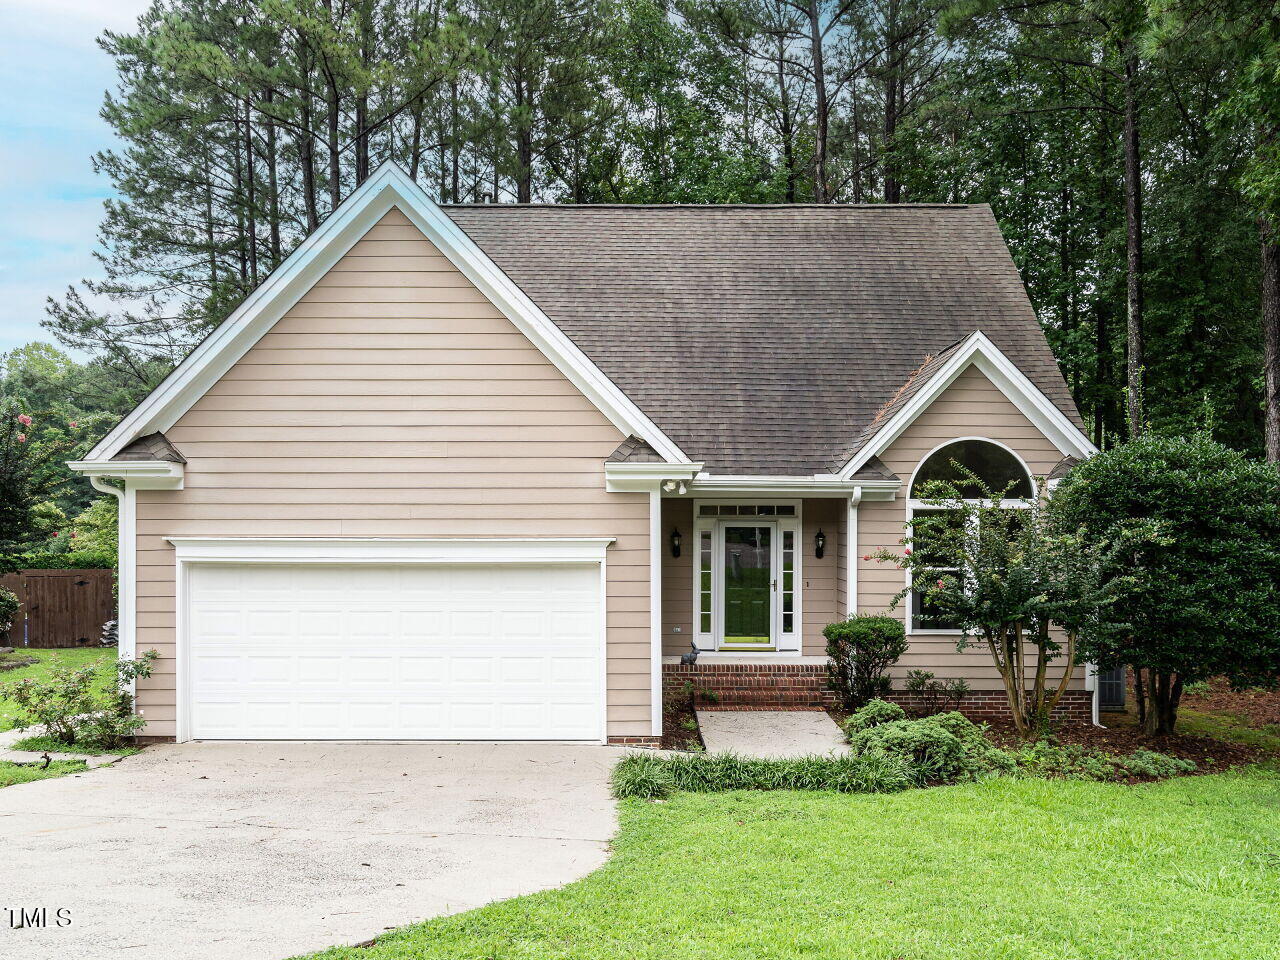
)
(766, 339)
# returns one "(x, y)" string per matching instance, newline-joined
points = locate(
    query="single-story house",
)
(487, 471)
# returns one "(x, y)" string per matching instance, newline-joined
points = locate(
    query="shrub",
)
(643, 777)
(1201, 599)
(654, 777)
(944, 748)
(8, 610)
(936, 696)
(872, 715)
(1050, 760)
(860, 650)
(74, 707)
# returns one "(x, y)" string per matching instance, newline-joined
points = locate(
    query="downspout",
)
(126, 555)
(655, 610)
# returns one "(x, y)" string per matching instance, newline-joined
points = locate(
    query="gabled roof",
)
(935, 374)
(765, 339)
(389, 187)
(761, 340)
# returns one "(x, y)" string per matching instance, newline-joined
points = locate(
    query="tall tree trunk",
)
(524, 146)
(365, 18)
(1135, 364)
(1270, 237)
(892, 108)
(821, 121)
(306, 139)
(273, 180)
(250, 195)
(455, 141)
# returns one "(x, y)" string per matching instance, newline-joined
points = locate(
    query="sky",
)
(52, 80)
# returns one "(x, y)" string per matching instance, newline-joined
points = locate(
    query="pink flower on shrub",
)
(907, 551)
(24, 420)
(22, 438)
(73, 424)
(72, 535)
(866, 556)
(941, 584)
(54, 534)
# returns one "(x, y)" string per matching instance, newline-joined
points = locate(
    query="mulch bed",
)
(1257, 708)
(1123, 736)
(677, 718)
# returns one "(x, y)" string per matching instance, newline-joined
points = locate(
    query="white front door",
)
(473, 651)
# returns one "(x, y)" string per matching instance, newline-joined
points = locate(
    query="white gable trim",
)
(388, 187)
(980, 352)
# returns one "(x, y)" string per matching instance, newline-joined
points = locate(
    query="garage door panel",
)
(321, 651)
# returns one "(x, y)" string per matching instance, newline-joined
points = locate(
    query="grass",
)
(1002, 869)
(12, 774)
(48, 659)
(45, 742)
(1227, 726)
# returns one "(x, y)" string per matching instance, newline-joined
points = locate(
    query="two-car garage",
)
(391, 640)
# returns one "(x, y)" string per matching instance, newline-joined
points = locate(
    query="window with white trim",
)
(998, 468)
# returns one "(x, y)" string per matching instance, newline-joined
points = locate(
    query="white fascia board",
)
(388, 187)
(979, 351)
(138, 474)
(821, 485)
(389, 550)
(638, 477)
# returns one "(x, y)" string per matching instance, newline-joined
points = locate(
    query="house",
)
(485, 472)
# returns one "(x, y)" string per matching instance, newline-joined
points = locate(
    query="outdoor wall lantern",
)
(819, 544)
(675, 542)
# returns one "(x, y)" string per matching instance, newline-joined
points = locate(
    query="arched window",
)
(992, 464)
(996, 467)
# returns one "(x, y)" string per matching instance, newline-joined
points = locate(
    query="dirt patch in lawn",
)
(1257, 708)
(1122, 737)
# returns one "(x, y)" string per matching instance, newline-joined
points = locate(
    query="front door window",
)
(748, 587)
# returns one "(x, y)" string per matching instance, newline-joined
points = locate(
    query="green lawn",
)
(48, 660)
(44, 742)
(1187, 868)
(12, 773)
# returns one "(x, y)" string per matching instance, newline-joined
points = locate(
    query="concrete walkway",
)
(770, 733)
(260, 851)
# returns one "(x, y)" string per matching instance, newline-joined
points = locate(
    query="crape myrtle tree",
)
(1003, 572)
(1202, 599)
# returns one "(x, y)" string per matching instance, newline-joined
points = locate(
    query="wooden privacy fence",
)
(60, 608)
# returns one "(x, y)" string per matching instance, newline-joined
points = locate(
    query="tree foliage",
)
(1200, 600)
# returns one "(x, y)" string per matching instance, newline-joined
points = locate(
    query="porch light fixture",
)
(819, 543)
(675, 542)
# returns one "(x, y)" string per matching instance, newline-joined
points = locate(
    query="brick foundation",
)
(648, 743)
(803, 686)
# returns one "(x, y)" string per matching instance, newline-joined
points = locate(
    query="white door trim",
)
(294, 550)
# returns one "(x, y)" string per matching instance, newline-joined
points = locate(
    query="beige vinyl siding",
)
(819, 604)
(677, 578)
(395, 400)
(970, 407)
(821, 600)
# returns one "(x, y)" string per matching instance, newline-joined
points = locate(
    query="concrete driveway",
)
(266, 850)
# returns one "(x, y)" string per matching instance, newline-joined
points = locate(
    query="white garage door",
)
(395, 652)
